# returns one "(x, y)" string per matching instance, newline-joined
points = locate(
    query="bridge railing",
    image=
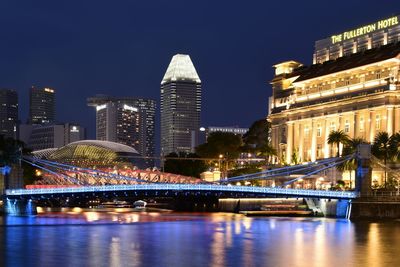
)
(186, 187)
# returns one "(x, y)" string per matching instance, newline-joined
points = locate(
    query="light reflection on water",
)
(194, 239)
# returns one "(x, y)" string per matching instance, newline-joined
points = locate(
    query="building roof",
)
(115, 147)
(181, 68)
(347, 62)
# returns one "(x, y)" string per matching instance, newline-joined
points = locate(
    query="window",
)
(378, 74)
(347, 126)
(319, 130)
(319, 151)
(347, 81)
(361, 127)
(332, 127)
(378, 122)
(306, 131)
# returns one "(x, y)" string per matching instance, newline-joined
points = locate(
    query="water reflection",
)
(190, 239)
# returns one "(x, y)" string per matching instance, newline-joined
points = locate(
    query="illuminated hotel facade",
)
(354, 90)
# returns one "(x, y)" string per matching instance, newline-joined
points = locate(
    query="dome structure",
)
(95, 152)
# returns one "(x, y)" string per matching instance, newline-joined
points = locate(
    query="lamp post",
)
(219, 164)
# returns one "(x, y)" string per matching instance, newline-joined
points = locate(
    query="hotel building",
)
(126, 120)
(352, 85)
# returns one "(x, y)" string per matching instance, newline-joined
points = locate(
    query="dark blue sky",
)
(122, 48)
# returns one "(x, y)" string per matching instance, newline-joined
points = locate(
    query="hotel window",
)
(319, 130)
(361, 126)
(378, 74)
(378, 122)
(306, 131)
(347, 81)
(332, 127)
(319, 151)
(347, 126)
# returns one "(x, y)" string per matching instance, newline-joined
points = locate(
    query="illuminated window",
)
(361, 127)
(319, 151)
(347, 126)
(332, 126)
(378, 122)
(306, 131)
(378, 74)
(319, 130)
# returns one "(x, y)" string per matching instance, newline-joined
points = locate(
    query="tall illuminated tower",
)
(180, 106)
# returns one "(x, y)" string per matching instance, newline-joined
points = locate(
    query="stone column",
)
(289, 143)
(326, 131)
(372, 125)
(301, 142)
(396, 120)
(356, 125)
(313, 141)
(389, 120)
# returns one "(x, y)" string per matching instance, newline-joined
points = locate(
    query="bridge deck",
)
(185, 187)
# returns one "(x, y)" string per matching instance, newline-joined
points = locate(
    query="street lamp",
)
(219, 163)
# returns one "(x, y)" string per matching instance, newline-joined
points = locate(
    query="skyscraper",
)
(42, 105)
(126, 120)
(8, 113)
(180, 106)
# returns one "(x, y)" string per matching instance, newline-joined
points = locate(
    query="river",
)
(80, 238)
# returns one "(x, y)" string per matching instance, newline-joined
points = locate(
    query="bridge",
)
(66, 181)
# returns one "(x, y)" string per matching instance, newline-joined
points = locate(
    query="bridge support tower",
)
(364, 170)
(19, 207)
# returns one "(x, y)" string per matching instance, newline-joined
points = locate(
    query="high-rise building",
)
(8, 113)
(127, 120)
(180, 106)
(42, 105)
(43, 136)
(356, 91)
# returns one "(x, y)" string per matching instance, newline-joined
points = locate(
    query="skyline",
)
(127, 54)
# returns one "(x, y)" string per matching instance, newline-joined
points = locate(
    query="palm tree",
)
(337, 138)
(382, 148)
(349, 148)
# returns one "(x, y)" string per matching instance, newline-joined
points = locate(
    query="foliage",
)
(245, 170)
(256, 140)
(11, 152)
(337, 138)
(220, 143)
(184, 165)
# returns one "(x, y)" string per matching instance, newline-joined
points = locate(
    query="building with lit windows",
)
(180, 106)
(354, 90)
(126, 120)
(8, 113)
(42, 105)
(44, 136)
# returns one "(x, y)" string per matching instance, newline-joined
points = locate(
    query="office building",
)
(180, 106)
(127, 120)
(42, 107)
(8, 113)
(43, 136)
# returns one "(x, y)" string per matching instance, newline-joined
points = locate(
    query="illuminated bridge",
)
(81, 183)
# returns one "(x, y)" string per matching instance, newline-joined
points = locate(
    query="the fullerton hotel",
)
(352, 86)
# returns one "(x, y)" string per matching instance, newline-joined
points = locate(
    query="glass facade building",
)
(8, 113)
(180, 106)
(42, 108)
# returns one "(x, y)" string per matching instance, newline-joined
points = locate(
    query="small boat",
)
(139, 204)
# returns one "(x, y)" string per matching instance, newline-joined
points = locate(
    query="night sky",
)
(122, 48)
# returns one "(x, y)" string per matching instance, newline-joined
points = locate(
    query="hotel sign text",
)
(382, 24)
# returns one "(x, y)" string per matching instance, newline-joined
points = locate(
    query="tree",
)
(220, 143)
(10, 154)
(256, 140)
(349, 148)
(337, 138)
(384, 148)
(184, 164)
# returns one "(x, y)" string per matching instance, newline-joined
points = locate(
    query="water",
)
(194, 239)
